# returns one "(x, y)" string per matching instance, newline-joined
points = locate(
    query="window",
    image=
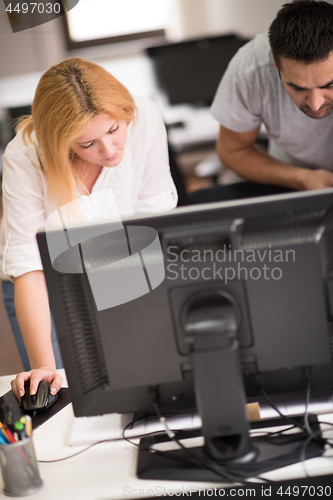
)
(96, 22)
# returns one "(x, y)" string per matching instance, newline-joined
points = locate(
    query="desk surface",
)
(107, 471)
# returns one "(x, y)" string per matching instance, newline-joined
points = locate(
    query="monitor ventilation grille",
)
(83, 327)
(281, 228)
(330, 330)
(329, 249)
(211, 241)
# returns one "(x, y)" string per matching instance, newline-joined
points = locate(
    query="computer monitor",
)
(189, 72)
(203, 305)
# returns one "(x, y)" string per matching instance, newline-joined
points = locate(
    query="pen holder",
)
(19, 468)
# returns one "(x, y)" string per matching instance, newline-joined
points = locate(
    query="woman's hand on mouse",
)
(35, 376)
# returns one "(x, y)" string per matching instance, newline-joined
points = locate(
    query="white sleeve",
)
(24, 212)
(157, 191)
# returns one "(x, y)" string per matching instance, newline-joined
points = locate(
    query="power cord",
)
(227, 472)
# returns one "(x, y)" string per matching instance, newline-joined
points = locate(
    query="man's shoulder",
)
(255, 55)
(249, 83)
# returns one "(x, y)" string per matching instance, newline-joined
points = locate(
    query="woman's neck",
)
(88, 174)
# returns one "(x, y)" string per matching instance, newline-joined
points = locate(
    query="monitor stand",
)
(177, 464)
(210, 323)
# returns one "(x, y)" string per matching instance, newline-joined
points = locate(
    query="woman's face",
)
(103, 142)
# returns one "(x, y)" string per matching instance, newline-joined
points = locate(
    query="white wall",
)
(31, 50)
(244, 17)
(204, 17)
(38, 48)
(34, 50)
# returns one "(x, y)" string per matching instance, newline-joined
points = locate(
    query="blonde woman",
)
(86, 135)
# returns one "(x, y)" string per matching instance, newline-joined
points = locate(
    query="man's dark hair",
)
(303, 31)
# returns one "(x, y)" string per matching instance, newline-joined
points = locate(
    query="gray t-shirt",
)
(251, 93)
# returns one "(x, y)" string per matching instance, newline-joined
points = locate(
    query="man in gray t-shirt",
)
(285, 81)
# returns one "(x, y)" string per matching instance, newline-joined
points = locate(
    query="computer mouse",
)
(39, 402)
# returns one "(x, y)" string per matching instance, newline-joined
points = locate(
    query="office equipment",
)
(19, 468)
(39, 402)
(187, 76)
(190, 71)
(27, 422)
(89, 430)
(63, 400)
(245, 308)
(111, 426)
(108, 470)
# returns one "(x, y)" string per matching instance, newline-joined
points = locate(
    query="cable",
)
(312, 436)
(227, 472)
(74, 454)
(307, 403)
(287, 418)
(107, 441)
(303, 450)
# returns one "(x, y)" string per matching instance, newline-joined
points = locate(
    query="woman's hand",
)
(35, 376)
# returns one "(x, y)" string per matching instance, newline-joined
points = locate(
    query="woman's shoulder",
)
(22, 144)
(145, 105)
(21, 154)
(141, 100)
(148, 113)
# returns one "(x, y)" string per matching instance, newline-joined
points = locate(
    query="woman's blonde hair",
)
(67, 97)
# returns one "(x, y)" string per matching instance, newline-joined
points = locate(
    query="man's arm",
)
(238, 151)
(33, 314)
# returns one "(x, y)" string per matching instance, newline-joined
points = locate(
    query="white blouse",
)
(141, 183)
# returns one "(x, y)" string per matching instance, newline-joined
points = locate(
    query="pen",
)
(4, 433)
(7, 433)
(2, 439)
(26, 420)
(20, 429)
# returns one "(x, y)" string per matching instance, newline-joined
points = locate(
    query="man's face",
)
(309, 85)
